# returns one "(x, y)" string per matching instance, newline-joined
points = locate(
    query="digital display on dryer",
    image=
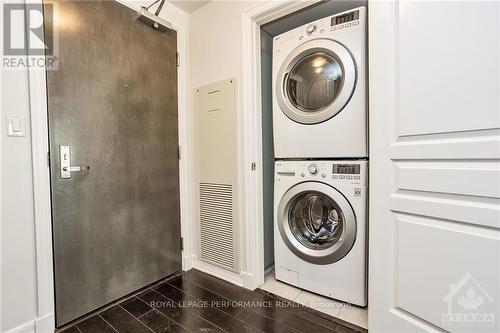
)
(346, 169)
(351, 16)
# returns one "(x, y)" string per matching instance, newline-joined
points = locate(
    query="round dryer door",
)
(317, 223)
(316, 81)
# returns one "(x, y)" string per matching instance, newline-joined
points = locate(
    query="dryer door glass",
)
(314, 82)
(315, 220)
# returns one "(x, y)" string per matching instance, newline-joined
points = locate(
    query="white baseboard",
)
(187, 262)
(218, 272)
(249, 281)
(45, 324)
(28, 327)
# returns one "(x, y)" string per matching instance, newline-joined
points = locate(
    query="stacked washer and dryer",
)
(320, 146)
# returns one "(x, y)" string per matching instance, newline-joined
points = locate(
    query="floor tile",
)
(321, 321)
(71, 329)
(123, 321)
(160, 323)
(191, 303)
(356, 315)
(281, 289)
(223, 320)
(217, 286)
(135, 306)
(215, 300)
(174, 293)
(95, 324)
(263, 323)
(204, 309)
(179, 314)
(320, 303)
(269, 275)
(277, 312)
(286, 312)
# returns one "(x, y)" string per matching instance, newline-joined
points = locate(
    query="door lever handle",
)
(66, 167)
(76, 168)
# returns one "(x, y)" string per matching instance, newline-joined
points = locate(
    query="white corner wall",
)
(216, 41)
(18, 261)
(216, 53)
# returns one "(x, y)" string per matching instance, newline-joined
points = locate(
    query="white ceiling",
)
(189, 5)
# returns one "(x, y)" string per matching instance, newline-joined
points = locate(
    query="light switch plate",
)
(16, 125)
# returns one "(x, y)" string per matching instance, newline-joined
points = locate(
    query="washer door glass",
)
(314, 82)
(315, 220)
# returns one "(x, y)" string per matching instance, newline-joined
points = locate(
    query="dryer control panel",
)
(345, 18)
(353, 20)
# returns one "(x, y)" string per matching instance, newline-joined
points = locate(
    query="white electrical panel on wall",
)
(216, 160)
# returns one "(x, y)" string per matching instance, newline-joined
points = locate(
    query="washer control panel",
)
(313, 169)
(311, 28)
(344, 172)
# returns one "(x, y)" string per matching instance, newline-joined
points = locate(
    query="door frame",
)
(45, 305)
(251, 127)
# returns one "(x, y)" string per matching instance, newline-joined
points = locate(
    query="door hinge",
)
(182, 244)
(177, 60)
(48, 158)
(179, 152)
(254, 166)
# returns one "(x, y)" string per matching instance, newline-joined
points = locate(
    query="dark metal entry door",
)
(113, 104)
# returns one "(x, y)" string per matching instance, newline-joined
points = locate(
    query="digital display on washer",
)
(346, 169)
(351, 16)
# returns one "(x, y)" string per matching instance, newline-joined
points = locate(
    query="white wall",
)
(17, 246)
(216, 53)
(18, 275)
(18, 294)
(215, 41)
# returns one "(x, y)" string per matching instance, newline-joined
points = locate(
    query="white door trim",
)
(251, 127)
(45, 316)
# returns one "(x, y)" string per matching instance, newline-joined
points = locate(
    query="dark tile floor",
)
(197, 302)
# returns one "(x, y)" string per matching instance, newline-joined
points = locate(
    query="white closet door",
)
(435, 166)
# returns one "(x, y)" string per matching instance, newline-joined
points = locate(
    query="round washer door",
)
(317, 223)
(316, 81)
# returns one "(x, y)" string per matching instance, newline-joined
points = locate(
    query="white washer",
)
(320, 227)
(319, 89)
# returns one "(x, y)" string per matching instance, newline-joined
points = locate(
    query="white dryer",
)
(319, 89)
(320, 227)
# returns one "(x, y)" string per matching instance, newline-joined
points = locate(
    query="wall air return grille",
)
(217, 234)
(215, 108)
